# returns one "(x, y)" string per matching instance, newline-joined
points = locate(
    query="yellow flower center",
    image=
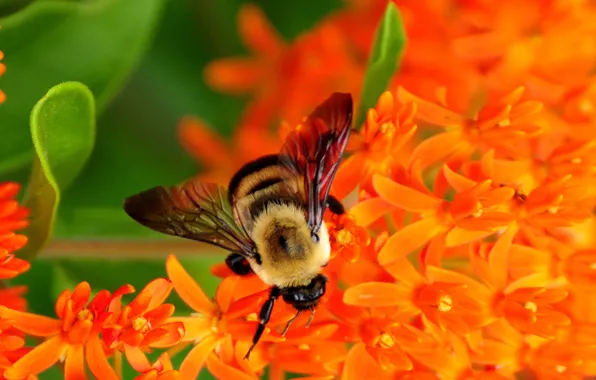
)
(345, 237)
(386, 341)
(141, 324)
(445, 303)
(85, 315)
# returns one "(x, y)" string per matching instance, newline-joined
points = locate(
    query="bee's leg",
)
(264, 316)
(238, 264)
(335, 205)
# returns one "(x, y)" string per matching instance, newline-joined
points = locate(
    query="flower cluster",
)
(467, 250)
(2, 70)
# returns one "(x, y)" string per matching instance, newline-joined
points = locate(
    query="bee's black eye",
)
(315, 237)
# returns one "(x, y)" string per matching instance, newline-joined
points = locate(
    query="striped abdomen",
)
(259, 183)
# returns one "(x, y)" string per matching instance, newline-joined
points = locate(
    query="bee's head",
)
(288, 246)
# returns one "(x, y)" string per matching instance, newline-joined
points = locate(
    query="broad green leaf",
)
(389, 45)
(63, 133)
(52, 41)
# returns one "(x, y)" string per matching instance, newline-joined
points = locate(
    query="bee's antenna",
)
(290, 322)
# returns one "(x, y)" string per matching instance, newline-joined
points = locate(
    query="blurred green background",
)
(143, 61)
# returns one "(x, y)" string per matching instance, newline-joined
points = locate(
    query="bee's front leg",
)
(264, 316)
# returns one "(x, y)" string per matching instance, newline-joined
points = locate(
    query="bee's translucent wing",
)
(313, 151)
(194, 210)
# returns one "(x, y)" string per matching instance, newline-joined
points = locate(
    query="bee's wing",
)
(193, 210)
(313, 151)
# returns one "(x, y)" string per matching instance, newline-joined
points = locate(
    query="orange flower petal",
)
(536, 280)
(368, 211)
(233, 75)
(187, 288)
(348, 176)
(194, 361)
(404, 197)
(437, 148)
(459, 236)
(160, 289)
(37, 360)
(97, 361)
(457, 181)
(376, 294)
(137, 358)
(224, 371)
(409, 238)
(32, 324)
(359, 364)
(201, 142)
(498, 257)
(405, 272)
(258, 33)
(429, 112)
(74, 368)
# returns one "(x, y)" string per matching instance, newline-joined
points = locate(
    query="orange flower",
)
(221, 159)
(506, 125)
(346, 237)
(215, 323)
(476, 211)
(2, 71)
(11, 218)
(142, 325)
(446, 299)
(388, 127)
(161, 370)
(74, 338)
(287, 81)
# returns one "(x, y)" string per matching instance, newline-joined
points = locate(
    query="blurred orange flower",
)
(2, 71)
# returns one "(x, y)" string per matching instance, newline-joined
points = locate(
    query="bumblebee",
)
(270, 217)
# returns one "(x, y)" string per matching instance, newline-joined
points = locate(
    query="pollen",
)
(345, 237)
(141, 324)
(560, 368)
(386, 341)
(445, 303)
(504, 123)
(387, 128)
(531, 306)
(304, 347)
(553, 210)
(478, 213)
(592, 266)
(252, 317)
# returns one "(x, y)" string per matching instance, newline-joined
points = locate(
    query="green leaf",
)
(94, 42)
(388, 48)
(63, 133)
